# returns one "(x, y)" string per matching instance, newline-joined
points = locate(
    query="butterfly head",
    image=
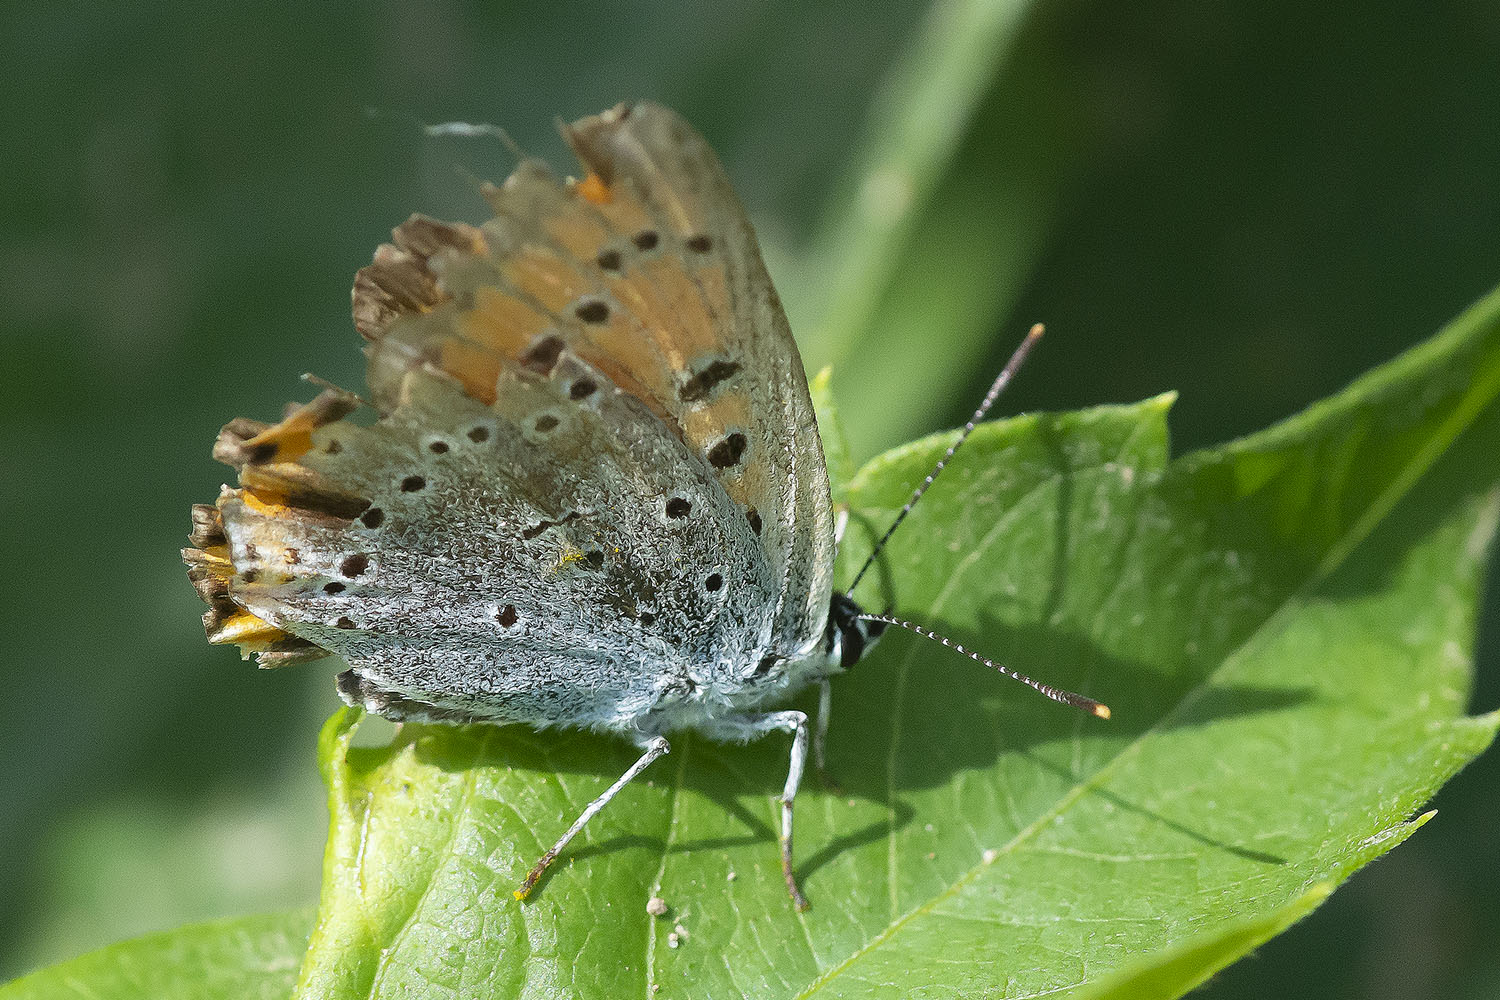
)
(850, 633)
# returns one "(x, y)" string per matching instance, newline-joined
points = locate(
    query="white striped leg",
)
(750, 726)
(820, 735)
(656, 748)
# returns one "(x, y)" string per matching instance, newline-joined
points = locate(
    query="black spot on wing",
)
(540, 357)
(592, 311)
(543, 525)
(698, 388)
(728, 451)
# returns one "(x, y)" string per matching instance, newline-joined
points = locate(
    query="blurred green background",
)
(1250, 202)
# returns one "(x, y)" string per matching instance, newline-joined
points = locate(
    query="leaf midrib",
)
(1341, 547)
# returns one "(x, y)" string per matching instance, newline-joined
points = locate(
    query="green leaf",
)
(1282, 626)
(248, 958)
(1175, 970)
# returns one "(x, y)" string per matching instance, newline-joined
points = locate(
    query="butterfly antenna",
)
(1056, 694)
(446, 130)
(1001, 381)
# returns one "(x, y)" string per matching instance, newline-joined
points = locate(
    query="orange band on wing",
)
(595, 190)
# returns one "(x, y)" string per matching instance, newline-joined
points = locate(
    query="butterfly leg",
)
(658, 747)
(751, 726)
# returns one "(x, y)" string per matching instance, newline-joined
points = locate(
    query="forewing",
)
(648, 270)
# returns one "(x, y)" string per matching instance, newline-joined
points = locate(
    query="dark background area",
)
(1248, 202)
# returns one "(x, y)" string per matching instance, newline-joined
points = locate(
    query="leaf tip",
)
(1162, 401)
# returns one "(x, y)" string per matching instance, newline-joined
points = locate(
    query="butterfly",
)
(594, 495)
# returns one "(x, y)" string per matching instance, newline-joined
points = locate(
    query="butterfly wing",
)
(554, 557)
(596, 480)
(649, 270)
